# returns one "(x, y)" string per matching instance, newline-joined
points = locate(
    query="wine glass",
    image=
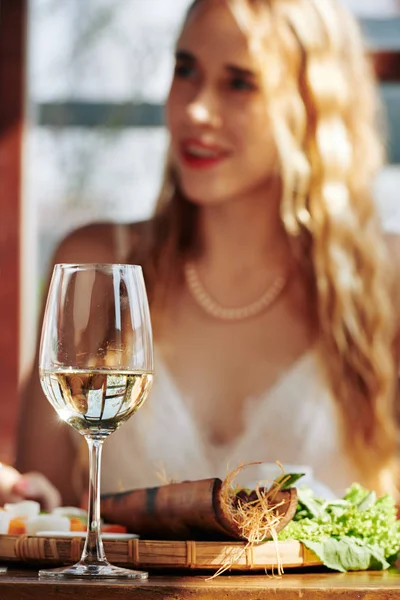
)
(96, 369)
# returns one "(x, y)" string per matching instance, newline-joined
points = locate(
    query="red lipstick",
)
(198, 154)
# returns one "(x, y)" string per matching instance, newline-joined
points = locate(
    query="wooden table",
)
(24, 585)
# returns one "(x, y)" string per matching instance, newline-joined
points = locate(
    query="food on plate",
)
(76, 524)
(26, 509)
(47, 522)
(357, 532)
(114, 528)
(24, 518)
(71, 512)
(17, 526)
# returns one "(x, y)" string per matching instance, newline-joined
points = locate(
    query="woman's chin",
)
(205, 200)
(205, 194)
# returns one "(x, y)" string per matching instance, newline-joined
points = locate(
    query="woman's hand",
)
(15, 487)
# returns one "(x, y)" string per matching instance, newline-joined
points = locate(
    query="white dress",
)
(296, 422)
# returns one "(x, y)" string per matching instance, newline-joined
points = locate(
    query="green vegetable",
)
(288, 480)
(357, 532)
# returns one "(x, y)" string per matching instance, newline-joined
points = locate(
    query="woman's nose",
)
(204, 109)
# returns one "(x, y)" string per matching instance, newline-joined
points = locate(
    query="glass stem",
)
(93, 552)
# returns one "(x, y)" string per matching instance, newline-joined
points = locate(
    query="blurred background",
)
(82, 86)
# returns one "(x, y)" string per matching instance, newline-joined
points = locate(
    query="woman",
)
(266, 270)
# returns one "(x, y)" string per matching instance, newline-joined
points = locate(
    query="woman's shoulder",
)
(102, 242)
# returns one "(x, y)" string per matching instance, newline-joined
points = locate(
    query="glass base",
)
(3, 570)
(92, 571)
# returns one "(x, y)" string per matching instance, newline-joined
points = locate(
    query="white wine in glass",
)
(96, 369)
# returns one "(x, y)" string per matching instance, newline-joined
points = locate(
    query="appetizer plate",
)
(66, 548)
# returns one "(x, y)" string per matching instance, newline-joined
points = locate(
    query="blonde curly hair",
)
(321, 96)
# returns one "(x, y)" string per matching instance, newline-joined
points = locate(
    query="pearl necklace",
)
(214, 309)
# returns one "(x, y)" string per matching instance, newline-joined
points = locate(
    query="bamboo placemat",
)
(159, 554)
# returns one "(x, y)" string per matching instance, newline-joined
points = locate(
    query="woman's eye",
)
(184, 71)
(241, 84)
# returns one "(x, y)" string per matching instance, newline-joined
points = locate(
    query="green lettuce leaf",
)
(356, 532)
(347, 554)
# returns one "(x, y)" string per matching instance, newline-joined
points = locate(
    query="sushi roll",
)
(47, 523)
(27, 509)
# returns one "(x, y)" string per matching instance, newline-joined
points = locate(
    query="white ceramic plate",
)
(74, 534)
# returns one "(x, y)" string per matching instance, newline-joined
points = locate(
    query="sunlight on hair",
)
(329, 84)
(334, 146)
(337, 198)
(344, 267)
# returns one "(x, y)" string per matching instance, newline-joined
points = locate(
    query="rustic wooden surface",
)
(24, 585)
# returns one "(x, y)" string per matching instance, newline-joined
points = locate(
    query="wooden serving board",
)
(159, 554)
